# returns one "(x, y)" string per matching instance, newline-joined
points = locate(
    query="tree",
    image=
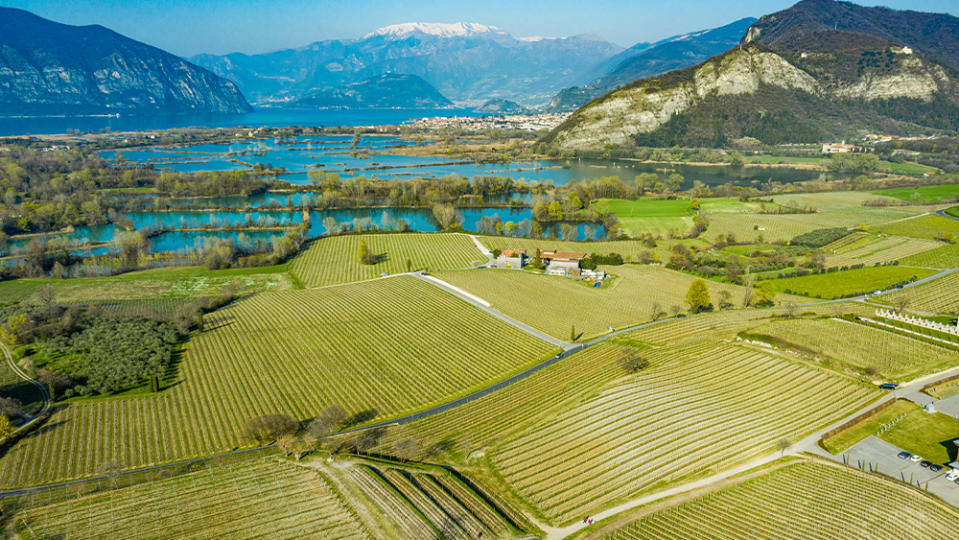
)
(408, 449)
(269, 427)
(767, 293)
(633, 363)
(817, 260)
(783, 445)
(11, 408)
(725, 299)
(901, 303)
(697, 297)
(657, 311)
(6, 426)
(747, 287)
(572, 333)
(446, 216)
(791, 310)
(326, 422)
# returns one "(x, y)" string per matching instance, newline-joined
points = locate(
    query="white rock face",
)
(635, 110)
(644, 108)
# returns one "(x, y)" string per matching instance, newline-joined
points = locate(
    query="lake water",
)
(14, 125)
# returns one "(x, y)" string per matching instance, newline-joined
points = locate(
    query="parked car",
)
(953, 474)
(888, 386)
(904, 455)
(935, 468)
(915, 458)
(925, 464)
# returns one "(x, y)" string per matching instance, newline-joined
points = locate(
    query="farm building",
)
(562, 263)
(512, 258)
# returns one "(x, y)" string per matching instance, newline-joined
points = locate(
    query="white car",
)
(953, 474)
(915, 458)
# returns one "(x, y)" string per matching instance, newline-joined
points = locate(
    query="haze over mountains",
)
(52, 68)
(818, 70)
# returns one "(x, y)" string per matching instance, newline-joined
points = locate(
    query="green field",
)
(944, 256)
(802, 500)
(383, 348)
(870, 249)
(937, 296)
(553, 304)
(927, 226)
(331, 261)
(834, 209)
(892, 355)
(253, 500)
(847, 282)
(923, 194)
(850, 435)
(650, 215)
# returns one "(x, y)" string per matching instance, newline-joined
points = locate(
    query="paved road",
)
(945, 215)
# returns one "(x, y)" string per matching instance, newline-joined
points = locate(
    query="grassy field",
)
(834, 209)
(937, 296)
(331, 261)
(869, 249)
(382, 348)
(160, 283)
(262, 499)
(553, 304)
(928, 226)
(923, 194)
(650, 215)
(802, 500)
(699, 408)
(850, 436)
(846, 282)
(892, 355)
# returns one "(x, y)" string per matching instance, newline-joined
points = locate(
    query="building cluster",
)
(556, 263)
(527, 122)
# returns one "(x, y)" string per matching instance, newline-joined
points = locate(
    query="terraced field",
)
(893, 355)
(804, 500)
(331, 261)
(552, 304)
(700, 408)
(870, 249)
(383, 348)
(927, 226)
(937, 296)
(431, 504)
(264, 499)
(850, 282)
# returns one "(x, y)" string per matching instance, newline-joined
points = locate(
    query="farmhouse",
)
(512, 258)
(562, 263)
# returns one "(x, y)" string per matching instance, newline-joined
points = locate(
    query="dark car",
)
(888, 386)
(925, 463)
(935, 468)
(904, 455)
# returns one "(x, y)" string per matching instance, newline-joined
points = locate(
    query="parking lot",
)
(876, 453)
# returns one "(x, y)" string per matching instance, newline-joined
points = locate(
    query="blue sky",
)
(188, 27)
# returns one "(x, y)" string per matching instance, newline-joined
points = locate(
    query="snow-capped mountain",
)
(469, 63)
(446, 30)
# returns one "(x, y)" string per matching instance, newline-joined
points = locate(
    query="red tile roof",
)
(513, 252)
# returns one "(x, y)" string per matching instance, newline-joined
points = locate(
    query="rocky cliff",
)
(52, 68)
(807, 91)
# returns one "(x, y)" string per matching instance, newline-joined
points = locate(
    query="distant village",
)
(526, 122)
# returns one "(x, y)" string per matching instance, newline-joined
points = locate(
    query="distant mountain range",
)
(645, 59)
(468, 63)
(379, 92)
(819, 70)
(52, 68)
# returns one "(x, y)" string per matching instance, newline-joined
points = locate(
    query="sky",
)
(189, 27)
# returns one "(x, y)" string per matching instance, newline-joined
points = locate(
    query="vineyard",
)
(429, 503)
(937, 296)
(890, 354)
(944, 256)
(803, 500)
(263, 499)
(700, 407)
(331, 261)
(850, 282)
(869, 249)
(629, 249)
(552, 304)
(927, 226)
(380, 349)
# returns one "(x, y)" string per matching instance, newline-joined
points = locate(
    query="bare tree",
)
(791, 310)
(725, 299)
(408, 449)
(783, 445)
(748, 287)
(326, 422)
(901, 303)
(657, 311)
(269, 427)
